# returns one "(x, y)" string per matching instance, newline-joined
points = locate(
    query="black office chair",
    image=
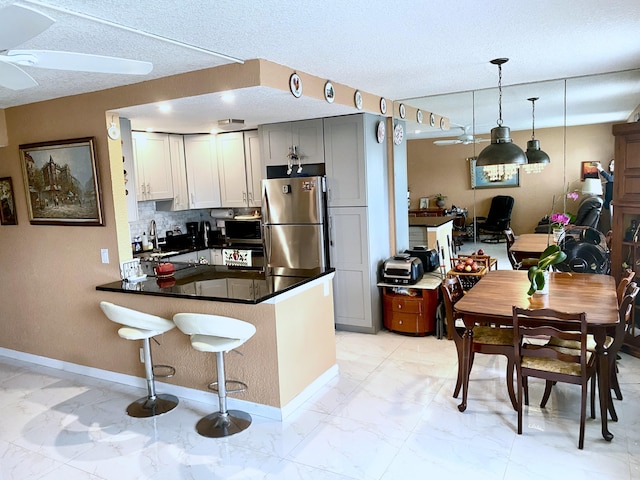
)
(497, 221)
(589, 212)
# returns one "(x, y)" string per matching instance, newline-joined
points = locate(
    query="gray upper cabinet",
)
(279, 139)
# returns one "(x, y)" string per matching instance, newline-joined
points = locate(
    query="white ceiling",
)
(407, 49)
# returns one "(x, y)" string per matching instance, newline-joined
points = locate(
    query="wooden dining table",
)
(531, 245)
(492, 298)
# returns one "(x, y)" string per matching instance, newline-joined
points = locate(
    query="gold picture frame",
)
(8, 214)
(61, 182)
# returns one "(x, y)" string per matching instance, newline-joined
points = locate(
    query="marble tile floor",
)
(388, 415)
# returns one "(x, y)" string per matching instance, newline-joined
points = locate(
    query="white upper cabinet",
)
(253, 163)
(202, 171)
(280, 139)
(239, 168)
(152, 158)
(179, 173)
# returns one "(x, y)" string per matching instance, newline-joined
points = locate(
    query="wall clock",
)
(441, 123)
(419, 116)
(432, 120)
(398, 134)
(380, 131)
(403, 111)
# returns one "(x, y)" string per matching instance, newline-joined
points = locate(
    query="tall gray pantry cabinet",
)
(358, 207)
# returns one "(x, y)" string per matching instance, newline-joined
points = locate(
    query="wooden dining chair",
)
(612, 345)
(486, 339)
(551, 363)
(621, 289)
(625, 316)
(523, 264)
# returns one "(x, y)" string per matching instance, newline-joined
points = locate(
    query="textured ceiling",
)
(401, 50)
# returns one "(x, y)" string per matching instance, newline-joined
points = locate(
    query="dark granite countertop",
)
(429, 221)
(214, 283)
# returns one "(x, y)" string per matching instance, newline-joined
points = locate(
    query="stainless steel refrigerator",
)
(293, 214)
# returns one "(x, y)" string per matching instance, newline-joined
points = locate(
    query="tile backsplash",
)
(169, 220)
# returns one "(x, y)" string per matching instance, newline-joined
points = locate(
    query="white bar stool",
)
(215, 333)
(143, 326)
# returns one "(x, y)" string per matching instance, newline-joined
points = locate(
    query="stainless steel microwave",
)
(243, 232)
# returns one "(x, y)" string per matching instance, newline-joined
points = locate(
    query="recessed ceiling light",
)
(164, 108)
(149, 129)
(228, 97)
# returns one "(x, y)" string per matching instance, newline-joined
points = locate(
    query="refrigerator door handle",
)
(330, 231)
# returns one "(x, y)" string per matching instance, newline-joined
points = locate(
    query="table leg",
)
(467, 338)
(603, 382)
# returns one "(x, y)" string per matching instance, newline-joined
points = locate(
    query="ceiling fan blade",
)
(78, 62)
(14, 77)
(19, 24)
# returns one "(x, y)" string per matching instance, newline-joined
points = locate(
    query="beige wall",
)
(444, 169)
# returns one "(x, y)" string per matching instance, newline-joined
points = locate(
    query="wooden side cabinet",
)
(625, 246)
(410, 310)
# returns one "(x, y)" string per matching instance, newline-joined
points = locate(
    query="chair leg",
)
(593, 396)
(547, 393)
(583, 414)
(520, 386)
(224, 422)
(512, 394)
(153, 404)
(525, 386)
(613, 379)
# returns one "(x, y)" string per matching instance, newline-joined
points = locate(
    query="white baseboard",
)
(252, 408)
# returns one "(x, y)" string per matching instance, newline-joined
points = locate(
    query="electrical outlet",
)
(104, 253)
(141, 355)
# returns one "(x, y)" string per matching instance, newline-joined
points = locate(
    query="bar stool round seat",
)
(143, 326)
(218, 334)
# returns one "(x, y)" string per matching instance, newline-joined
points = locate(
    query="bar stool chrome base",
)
(146, 407)
(219, 425)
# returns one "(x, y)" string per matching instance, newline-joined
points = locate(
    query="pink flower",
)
(572, 195)
(560, 219)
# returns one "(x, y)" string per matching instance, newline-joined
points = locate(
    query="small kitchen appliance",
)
(430, 258)
(192, 232)
(402, 269)
(205, 234)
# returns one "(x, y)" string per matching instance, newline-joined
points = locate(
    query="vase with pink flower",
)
(558, 222)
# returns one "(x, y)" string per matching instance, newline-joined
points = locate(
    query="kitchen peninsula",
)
(289, 358)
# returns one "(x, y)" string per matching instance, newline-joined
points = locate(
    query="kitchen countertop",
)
(429, 221)
(214, 283)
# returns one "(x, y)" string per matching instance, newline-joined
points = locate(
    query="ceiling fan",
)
(19, 24)
(464, 139)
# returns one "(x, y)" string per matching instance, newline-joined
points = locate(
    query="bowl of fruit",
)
(467, 265)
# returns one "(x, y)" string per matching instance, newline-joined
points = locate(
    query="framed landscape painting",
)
(480, 180)
(61, 182)
(7, 204)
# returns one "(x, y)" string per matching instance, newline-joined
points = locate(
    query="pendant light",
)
(500, 160)
(536, 158)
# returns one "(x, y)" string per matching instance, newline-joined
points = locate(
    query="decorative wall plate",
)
(295, 85)
(357, 98)
(329, 92)
(403, 111)
(383, 106)
(398, 134)
(432, 120)
(419, 116)
(380, 131)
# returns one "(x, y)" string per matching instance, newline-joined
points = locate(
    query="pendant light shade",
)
(502, 157)
(536, 158)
